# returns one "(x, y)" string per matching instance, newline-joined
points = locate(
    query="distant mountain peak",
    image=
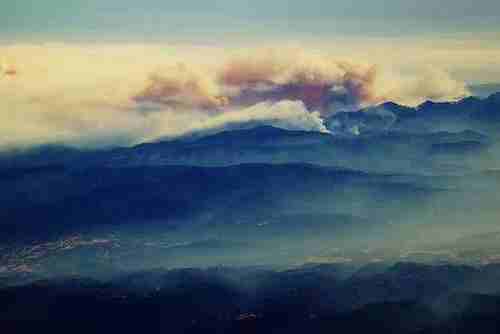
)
(267, 129)
(470, 99)
(494, 98)
(429, 104)
(391, 105)
(264, 131)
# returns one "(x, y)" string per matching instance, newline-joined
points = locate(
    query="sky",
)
(123, 72)
(215, 19)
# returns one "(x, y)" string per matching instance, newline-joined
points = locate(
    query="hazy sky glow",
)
(212, 20)
(123, 72)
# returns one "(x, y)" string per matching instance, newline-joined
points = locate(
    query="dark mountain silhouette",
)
(484, 90)
(471, 113)
(50, 198)
(386, 224)
(355, 134)
(242, 300)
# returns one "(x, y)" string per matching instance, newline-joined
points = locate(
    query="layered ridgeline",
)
(410, 139)
(399, 298)
(383, 183)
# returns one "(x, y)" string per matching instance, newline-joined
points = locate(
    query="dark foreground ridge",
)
(400, 205)
(322, 298)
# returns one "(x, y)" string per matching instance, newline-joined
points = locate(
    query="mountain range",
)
(391, 214)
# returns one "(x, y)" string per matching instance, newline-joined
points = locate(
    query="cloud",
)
(326, 84)
(131, 127)
(428, 83)
(108, 95)
(8, 70)
(317, 80)
(181, 86)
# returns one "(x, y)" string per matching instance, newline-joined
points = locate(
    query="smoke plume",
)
(124, 95)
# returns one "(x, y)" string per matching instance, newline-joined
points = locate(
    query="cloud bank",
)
(181, 86)
(91, 95)
(319, 81)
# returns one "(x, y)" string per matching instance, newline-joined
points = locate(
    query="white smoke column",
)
(97, 95)
(289, 115)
